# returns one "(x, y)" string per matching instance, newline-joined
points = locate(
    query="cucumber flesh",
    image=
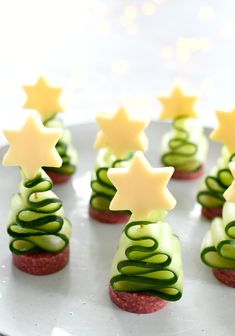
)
(225, 177)
(148, 259)
(102, 189)
(65, 149)
(218, 245)
(182, 149)
(215, 184)
(100, 202)
(210, 200)
(180, 162)
(39, 224)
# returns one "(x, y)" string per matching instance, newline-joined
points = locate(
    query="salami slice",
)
(211, 213)
(41, 263)
(136, 302)
(226, 276)
(57, 178)
(109, 217)
(181, 175)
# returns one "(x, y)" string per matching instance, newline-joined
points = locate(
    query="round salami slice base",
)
(109, 217)
(181, 175)
(57, 178)
(212, 213)
(41, 263)
(136, 302)
(226, 276)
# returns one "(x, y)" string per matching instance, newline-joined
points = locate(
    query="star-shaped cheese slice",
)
(229, 194)
(141, 188)
(43, 98)
(121, 133)
(225, 131)
(178, 104)
(32, 147)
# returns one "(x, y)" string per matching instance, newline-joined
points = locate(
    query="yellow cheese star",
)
(121, 133)
(225, 131)
(141, 188)
(43, 98)
(178, 104)
(32, 147)
(229, 194)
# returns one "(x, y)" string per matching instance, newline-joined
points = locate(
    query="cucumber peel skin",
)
(185, 146)
(215, 184)
(102, 189)
(36, 219)
(65, 149)
(148, 260)
(218, 245)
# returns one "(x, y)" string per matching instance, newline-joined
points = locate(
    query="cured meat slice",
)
(41, 263)
(136, 302)
(109, 217)
(226, 276)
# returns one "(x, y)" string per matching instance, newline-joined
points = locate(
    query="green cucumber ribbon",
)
(218, 246)
(36, 219)
(214, 185)
(102, 189)
(185, 146)
(148, 259)
(65, 149)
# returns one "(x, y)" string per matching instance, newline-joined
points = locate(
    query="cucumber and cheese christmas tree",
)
(46, 100)
(218, 246)
(119, 137)
(147, 267)
(219, 179)
(185, 146)
(37, 227)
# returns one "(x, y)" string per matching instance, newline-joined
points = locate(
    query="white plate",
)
(75, 300)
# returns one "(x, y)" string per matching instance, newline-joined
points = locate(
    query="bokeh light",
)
(108, 50)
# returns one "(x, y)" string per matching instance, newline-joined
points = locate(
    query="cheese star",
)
(32, 147)
(229, 194)
(178, 104)
(225, 131)
(141, 188)
(43, 98)
(121, 133)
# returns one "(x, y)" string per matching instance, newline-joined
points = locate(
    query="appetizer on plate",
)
(218, 246)
(185, 146)
(119, 137)
(39, 232)
(213, 186)
(147, 267)
(46, 100)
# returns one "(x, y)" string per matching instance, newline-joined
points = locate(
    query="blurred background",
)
(107, 53)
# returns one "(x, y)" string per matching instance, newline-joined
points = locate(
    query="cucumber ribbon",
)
(218, 245)
(185, 146)
(214, 185)
(148, 259)
(36, 219)
(102, 189)
(65, 149)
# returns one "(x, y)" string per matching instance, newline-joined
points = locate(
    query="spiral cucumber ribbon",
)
(65, 149)
(102, 189)
(218, 246)
(214, 185)
(148, 259)
(36, 219)
(185, 146)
